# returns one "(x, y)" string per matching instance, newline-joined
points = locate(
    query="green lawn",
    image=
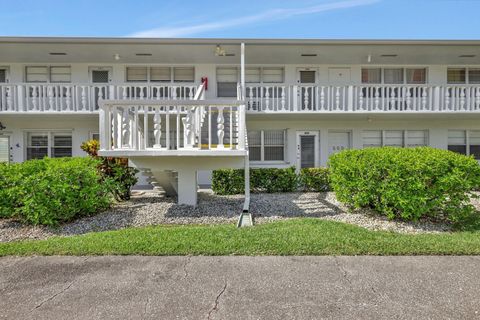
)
(294, 237)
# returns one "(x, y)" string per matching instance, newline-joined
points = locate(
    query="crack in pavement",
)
(61, 291)
(342, 270)
(185, 271)
(217, 300)
(54, 295)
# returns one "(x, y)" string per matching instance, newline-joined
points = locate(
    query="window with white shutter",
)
(272, 75)
(137, 74)
(393, 76)
(417, 138)
(36, 74)
(252, 75)
(393, 138)
(60, 74)
(184, 74)
(160, 74)
(372, 138)
(4, 149)
(465, 142)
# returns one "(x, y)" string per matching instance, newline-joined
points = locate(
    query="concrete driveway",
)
(240, 288)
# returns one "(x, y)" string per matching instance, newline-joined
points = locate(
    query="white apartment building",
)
(180, 108)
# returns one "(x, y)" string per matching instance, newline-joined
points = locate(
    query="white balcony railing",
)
(162, 125)
(362, 98)
(83, 98)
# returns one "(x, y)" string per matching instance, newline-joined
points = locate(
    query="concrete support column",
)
(187, 186)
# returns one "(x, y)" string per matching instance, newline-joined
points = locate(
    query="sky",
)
(322, 19)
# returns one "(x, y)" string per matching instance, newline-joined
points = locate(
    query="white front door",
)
(4, 149)
(307, 79)
(338, 141)
(307, 149)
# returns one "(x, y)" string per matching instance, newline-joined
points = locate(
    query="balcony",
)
(82, 98)
(297, 98)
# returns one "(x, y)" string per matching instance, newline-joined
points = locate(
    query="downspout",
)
(245, 218)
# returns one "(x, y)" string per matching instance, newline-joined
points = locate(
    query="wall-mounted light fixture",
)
(219, 51)
(2, 127)
(369, 58)
(116, 56)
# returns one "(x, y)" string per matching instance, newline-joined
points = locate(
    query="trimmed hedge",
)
(50, 191)
(314, 179)
(406, 183)
(269, 180)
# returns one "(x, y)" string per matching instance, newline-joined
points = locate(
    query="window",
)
(160, 74)
(49, 144)
(228, 77)
(463, 75)
(183, 74)
(394, 138)
(95, 136)
(4, 149)
(464, 142)
(58, 74)
(3, 75)
(394, 75)
(227, 82)
(372, 75)
(266, 145)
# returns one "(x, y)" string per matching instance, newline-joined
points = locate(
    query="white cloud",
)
(274, 14)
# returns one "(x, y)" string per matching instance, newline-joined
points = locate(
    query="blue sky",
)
(342, 19)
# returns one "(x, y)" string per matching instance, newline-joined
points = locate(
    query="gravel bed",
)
(147, 208)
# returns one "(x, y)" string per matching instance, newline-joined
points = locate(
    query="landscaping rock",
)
(149, 208)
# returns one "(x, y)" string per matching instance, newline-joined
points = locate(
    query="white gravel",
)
(148, 208)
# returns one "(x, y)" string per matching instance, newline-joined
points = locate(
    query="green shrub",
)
(115, 169)
(50, 191)
(231, 181)
(314, 179)
(406, 183)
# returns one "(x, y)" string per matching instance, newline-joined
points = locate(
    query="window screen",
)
(273, 145)
(160, 74)
(61, 145)
(456, 75)
(371, 75)
(474, 141)
(184, 74)
(474, 76)
(100, 76)
(36, 74)
(307, 76)
(372, 138)
(457, 141)
(393, 76)
(37, 145)
(138, 74)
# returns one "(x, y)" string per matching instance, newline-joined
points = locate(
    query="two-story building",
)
(182, 107)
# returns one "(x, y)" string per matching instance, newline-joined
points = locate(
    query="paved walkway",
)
(240, 288)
